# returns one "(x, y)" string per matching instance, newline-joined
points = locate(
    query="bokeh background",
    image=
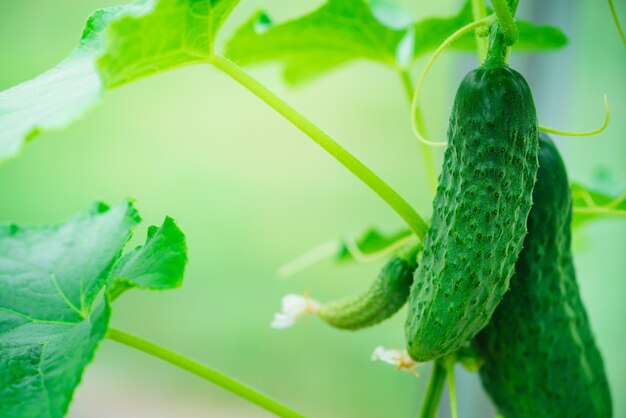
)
(251, 192)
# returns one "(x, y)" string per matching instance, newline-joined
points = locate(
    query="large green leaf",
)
(341, 31)
(53, 311)
(118, 45)
(57, 97)
(175, 33)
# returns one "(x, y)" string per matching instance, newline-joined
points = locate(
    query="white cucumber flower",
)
(294, 307)
(395, 357)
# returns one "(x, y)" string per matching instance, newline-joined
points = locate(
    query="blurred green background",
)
(251, 192)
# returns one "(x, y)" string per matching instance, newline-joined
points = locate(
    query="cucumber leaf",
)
(60, 95)
(158, 264)
(53, 312)
(118, 45)
(341, 31)
(591, 205)
(173, 34)
(369, 244)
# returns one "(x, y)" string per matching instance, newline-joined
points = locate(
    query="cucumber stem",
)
(414, 102)
(310, 257)
(452, 386)
(601, 210)
(479, 11)
(419, 121)
(505, 14)
(202, 371)
(607, 120)
(362, 257)
(616, 20)
(345, 158)
(498, 51)
(503, 33)
(617, 201)
(434, 390)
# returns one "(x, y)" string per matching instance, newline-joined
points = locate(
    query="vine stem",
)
(607, 120)
(452, 386)
(367, 176)
(599, 211)
(420, 82)
(617, 201)
(202, 371)
(362, 257)
(479, 11)
(429, 163)
(307, 259)
(507, 22)
(616, 20)
(434, 390)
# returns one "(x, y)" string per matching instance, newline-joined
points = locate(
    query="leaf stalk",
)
(366, 175)
(202, 371)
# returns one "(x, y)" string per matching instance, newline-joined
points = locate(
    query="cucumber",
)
(384, 298)
(479, 212)
(540, 356)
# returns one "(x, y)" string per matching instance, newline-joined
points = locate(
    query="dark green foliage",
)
(52, 310)
(384, 298)
(479, 212)
(540, 356)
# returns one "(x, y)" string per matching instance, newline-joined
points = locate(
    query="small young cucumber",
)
(540, 356)
(383, 299)
(479, 212)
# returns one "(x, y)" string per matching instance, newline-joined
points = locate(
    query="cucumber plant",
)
(58, 283)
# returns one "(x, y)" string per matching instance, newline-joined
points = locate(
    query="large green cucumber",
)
(385, 296)
(479, 212)
(540, 356)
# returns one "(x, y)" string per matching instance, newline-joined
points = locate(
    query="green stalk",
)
(599, 211)
(434, 390)
(367, 176)
(607, 120)
(427, 153)
(505, 13)
(479, 11)
(450, 362)
(499, 36)
(616, 20)
(202, 371)
(420, 81)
